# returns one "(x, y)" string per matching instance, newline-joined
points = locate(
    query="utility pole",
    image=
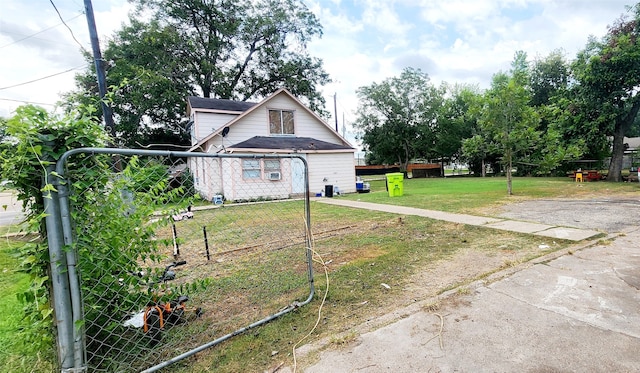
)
(99, 63)
(335, 109)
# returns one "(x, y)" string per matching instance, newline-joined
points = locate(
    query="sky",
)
(364, 41)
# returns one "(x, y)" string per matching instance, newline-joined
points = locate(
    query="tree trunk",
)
(509, 165)
(617, 155)
(615, 167)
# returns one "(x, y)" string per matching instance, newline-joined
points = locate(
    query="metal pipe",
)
(166, 153)
(74, 277)
(176, 247)
(205, 346)
(206, 241)
(59, 278)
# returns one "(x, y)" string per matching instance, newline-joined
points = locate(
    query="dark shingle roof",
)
(219, 104)
(288, 142)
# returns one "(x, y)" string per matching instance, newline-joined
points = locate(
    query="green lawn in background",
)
(478, 195)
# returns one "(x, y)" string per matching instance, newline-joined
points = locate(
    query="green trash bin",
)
(394, 184)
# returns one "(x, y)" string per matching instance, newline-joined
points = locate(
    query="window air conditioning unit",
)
(274, 175)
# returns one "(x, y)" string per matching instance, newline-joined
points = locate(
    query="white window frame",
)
(251, 169)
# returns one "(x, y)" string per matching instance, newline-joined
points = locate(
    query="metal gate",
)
(171, 253)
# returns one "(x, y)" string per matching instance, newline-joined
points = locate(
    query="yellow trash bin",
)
(395, 184)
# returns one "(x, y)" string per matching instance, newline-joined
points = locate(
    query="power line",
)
(43, 78)
(67, 26)
(39, 32)
(26, 102)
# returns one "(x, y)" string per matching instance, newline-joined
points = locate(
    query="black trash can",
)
(328, 191)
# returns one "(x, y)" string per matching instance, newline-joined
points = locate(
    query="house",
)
(631, 147)
(280, 125)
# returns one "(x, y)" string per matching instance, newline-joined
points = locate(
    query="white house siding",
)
(207, 176)
(305, 124)
(205, 123)
(336, 169)
(256, 123)
(238, 189)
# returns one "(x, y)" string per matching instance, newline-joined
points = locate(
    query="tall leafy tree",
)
(548, 76)
(148, 81)
(456, 121)
(605, 97)
(548, 81)
(397, 118)
(507, 118)
(241, 50)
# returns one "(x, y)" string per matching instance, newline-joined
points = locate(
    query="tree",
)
(456, 121)
(507, 118)
(240, 50)
(548, 76)
(605, 97)
(3, 134)
(148, 85)
(397, 118)
(478, 151)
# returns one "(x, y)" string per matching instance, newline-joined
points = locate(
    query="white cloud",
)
(51, 51)
(382, 16)
(365, 41)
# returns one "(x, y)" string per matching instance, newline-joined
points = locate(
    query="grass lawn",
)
(415, 257)
(476, 195)
(15, 356)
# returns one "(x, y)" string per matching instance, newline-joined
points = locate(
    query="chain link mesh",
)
(174, 252)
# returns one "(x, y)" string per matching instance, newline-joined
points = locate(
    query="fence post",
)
(79, 351)
(58, 267)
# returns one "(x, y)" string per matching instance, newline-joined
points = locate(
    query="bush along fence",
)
(156, 255)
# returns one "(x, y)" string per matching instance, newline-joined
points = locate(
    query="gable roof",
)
(284, 91)
(299, 144)
(218, 104)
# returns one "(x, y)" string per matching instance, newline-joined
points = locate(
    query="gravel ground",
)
(604, 214)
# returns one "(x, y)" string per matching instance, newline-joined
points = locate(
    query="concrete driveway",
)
(577, 310)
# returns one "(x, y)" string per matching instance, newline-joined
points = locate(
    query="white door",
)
(297, 175)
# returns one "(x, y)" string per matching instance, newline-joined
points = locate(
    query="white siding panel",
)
(332, 169)
(306, 125)
(207, 123)
(207, 177)
(256, 123)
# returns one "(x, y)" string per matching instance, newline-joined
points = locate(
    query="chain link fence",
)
(175, 252)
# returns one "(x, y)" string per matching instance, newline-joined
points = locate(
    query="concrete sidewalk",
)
(560, 313)
(566, 233)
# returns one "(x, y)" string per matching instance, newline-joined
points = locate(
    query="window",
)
(272, 169)
(256, 169)
(251, 169)
(281, 122)
(271, 165)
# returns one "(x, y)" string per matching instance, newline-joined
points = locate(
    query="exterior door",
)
(297, 175)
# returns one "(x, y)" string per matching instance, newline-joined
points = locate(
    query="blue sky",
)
(364, 41)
